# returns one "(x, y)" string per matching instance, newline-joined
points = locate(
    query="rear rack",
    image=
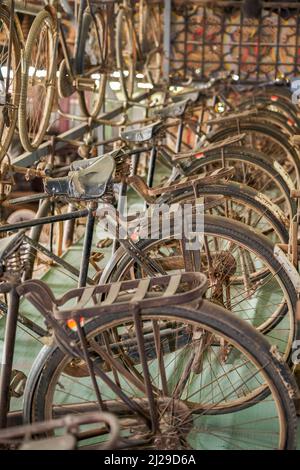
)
(116, 297)
(27, 435)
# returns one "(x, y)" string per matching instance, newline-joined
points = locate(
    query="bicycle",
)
(222, 240)
(131, 46)
(76, 73)
(83, 171)
(161, 359)
(84, 70)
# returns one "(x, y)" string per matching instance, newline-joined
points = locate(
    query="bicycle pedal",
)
(104, 243)
(17, 383)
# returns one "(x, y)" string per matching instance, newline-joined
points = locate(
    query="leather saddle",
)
(142, 134)
(87, 179)
(176, 109)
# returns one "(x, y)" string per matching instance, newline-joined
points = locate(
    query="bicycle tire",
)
(38, 395)
(9, 128)
(43, 19)
(150, 39)
(241, 193)
(281, 94)
(266, 129)
(88, 109)
(127, 84)
(286, 118)
(253, 157)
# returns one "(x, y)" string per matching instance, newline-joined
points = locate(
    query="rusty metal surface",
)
(117, 297)
(149, 194)
(27, 435)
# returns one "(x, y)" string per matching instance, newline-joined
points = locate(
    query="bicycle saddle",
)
(142, 134)
(87, 179)
(10, 244)
(173, 110)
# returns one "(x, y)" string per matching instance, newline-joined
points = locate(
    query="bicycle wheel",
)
(202, 365)
(91, 60)
(265, 138)
(153, 66)
(275, 107)
(49, 236)
(9, 104)
(282, 96)
(252, 169)
(244, 275)
(125, 52)
(38, 81)
(150, 39)
(238, 202)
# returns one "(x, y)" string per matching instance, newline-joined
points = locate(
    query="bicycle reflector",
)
(220, 107)
(72, 323)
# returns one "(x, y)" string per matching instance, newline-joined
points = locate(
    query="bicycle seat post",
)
(121, 209)
(151, 169)
(87, 244)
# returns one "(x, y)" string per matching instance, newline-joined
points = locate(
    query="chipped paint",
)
(284, 175)
(288, 267)
(262, 199)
